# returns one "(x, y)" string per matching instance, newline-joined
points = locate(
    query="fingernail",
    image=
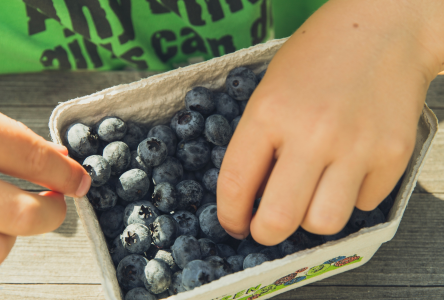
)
(235, 235)
(84, 186)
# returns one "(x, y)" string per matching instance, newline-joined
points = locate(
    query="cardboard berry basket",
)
(154, 101)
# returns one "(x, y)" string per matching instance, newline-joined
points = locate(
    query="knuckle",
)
(399, 148)
(279, 220)
(38, 157)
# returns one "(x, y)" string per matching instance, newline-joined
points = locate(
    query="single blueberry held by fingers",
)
(98, 168)
(209, 180)
(141, 212)
(136, 238)
(130, 271)
(220, 266)
(207, 248)
(217, 155)
(152, 151)
(117, 251)
(200, 99)
(226, 106)
(236, 262)
(185, 249)
(190, 125)
(197, 273)
(134, 135)
(176, 286)
(234, 123)
(118, 156)
(217, 130)
(167, 257)
(194, 154)
(272, 252)
(254, 259)
(102, 198)
(225, 251)
(209, 223)
(157, 276)
(110, 129)
(111, 221)
(249, 246)
(133, 185)
(241, 83)
(165, 197)
(137, 163)
(188, 223)
(189, 195)
(360, 219)
(164, 231)
(170, 171)
(81, 140)
(166, 135)
(139, 293)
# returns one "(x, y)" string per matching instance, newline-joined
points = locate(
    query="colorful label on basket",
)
(293, 278)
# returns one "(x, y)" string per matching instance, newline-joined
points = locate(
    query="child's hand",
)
(338, 110)
(26, 155)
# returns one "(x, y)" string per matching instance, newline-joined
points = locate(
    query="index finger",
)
(26, 155)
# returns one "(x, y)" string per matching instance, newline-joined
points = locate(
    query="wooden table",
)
(59, 265)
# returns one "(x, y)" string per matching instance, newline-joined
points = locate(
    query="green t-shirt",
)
(158, 35)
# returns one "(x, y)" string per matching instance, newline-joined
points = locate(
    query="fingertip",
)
(60, 200)
(84, 186)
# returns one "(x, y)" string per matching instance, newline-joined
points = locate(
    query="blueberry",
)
(361, 219)
(194, 154)
(217, 155)
(189, 195)
(220, 266)
(176, 286)
(166, 135)
(209, 223)
(188, 223)
(175, 119)
(217, 130)
(272, 252)
(386, 205)
(164, 231)
(139, 293)
(81, 141)
(170, 171)
(247, 247)
(208, 198)
(111, 221)
(133, 185)
(234, 123)
(225, 251)
(299, 240)
(197, 273)
(164, 294)
(202, 207)
(261, 75)
(157, 276)
(243, 105)
(240, 83)
(209, 180)
(226, 106)
(165, 197)
(103, 197)
(98, 168)
(152, 151)
(137, 163)
(200, 99)
(110, 129)
(236, 262)
(190, 125)
(341, 234)
(188, 175)
(117, 251)
(185, 249)
(118, 156)
(140, 212)
(130, 271)
(136, 238)
(167, 257)
(254, 259)
(134, 135)
(207, 248)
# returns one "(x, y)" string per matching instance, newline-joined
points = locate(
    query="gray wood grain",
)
(51, 291)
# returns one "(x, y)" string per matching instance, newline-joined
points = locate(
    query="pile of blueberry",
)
(155, 195)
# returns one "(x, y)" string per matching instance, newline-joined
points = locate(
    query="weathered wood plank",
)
(51, 291)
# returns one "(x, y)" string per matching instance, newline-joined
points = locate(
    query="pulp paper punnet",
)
(154, 101)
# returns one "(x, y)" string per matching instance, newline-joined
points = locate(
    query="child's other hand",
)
(25, 155)
(332, 124)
